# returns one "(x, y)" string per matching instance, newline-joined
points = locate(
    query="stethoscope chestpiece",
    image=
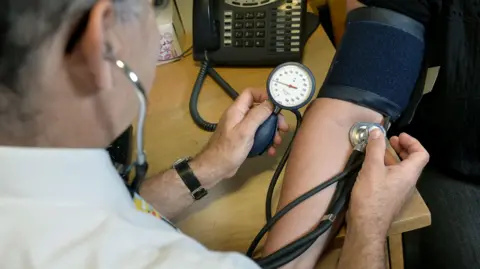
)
(360, 132)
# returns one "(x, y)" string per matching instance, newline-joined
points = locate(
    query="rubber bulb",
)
(264, 136)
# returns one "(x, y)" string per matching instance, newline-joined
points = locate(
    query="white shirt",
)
(63, 208)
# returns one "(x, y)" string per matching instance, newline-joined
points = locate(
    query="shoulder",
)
(94, 238)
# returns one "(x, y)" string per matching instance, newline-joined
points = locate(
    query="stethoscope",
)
(345, 180)
(140, 164)
(291, 86)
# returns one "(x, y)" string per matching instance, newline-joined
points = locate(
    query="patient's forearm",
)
(320, 151)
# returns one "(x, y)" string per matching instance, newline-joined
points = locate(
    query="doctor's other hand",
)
(233, 139)
(383, 185)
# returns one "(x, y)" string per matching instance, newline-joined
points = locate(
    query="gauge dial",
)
(291, 86)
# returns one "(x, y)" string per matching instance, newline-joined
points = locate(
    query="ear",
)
(94, 44)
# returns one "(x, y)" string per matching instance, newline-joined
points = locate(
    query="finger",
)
(375, 155)
(277, 140)
(395, 142)
(247, 98)
(413, 153)
(282, 123)
(403, 154)
(272, 151)
(410, 144)
(256, 117)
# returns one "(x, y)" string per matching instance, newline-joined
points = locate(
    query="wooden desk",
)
(233, 212)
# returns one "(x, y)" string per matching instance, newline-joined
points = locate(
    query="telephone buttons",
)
(260, 15)
(248, 34)
(238, 43)
(259, 43)
(260, 34)
(238, 34)
(238, 16)
(249, 15)
(259, 24)
(248, 43)
(249, 24)
(238, 25)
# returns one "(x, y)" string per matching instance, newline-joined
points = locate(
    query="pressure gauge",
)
(291, 86)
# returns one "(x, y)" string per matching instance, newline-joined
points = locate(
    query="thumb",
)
(376, 147)
(256, 116)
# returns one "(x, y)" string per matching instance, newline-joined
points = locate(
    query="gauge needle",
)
(288, 85)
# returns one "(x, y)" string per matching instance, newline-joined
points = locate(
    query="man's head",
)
(57, 87)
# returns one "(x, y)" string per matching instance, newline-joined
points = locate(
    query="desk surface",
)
(233, 212)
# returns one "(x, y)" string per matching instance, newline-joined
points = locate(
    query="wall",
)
(186, 9)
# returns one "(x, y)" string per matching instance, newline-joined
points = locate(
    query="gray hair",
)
(25, 25)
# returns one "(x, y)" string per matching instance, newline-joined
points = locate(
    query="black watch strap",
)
(191, 181)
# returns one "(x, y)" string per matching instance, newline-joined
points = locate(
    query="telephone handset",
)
(206, 34)
(249, 32)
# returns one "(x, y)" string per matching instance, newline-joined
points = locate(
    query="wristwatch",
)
(191, 181)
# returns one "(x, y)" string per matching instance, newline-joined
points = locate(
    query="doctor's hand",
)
(233, 139)
(384, 185)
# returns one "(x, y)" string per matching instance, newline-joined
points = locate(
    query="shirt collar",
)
(62, 176)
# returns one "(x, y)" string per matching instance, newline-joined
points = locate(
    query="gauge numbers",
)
(291, 86)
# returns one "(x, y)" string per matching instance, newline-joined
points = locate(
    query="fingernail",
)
(375, 134)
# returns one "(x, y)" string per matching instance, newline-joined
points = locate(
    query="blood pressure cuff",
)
(378, 61)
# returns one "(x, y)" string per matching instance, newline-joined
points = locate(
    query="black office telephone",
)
(249, 32)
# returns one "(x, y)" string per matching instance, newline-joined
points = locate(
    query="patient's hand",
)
(382, 188)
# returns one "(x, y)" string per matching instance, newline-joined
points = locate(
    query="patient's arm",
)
(320, 151)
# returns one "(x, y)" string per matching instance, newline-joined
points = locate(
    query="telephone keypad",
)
(238, 25)
(259, 43)
(249, 15)
(238, 43)
(249, 29)
(260, 24)
(264, 28)
(260, 15)
(249, 24)
(248, 43)
(260, 34)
